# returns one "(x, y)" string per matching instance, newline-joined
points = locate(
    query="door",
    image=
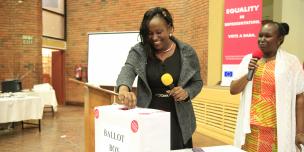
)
(58, 75)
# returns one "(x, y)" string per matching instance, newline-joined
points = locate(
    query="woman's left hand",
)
(300, 140)
(178, 93)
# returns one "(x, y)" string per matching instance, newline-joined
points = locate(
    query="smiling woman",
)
(159, 52)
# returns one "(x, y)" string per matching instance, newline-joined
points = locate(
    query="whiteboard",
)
(107, 53)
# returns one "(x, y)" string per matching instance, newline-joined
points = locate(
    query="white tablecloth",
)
(48, 97)
(224, 148)
(17, 107)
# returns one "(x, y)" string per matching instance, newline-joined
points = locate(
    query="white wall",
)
(291, 12)
(267, 10)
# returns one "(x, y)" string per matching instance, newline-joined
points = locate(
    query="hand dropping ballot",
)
(133, 130)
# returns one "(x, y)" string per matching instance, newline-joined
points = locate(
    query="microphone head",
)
(166, 79)
(257, 54)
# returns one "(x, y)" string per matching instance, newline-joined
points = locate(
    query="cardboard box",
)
(136, 130)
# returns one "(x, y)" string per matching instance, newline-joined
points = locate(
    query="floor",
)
(63, 132)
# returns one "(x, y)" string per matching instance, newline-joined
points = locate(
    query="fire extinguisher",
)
(78, 72)
(84, 73)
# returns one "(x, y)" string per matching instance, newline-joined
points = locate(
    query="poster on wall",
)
(242, 22)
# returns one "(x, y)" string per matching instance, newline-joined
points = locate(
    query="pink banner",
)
(242, 22)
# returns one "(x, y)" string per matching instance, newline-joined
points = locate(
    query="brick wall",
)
(16, 56)
(83, 16)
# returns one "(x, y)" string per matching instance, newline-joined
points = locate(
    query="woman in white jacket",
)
(271, 112)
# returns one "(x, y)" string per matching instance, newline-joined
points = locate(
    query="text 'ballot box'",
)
(133, 130)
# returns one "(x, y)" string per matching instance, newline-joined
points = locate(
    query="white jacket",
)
(289, 81)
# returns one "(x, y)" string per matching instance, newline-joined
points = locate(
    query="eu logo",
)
(228, 73)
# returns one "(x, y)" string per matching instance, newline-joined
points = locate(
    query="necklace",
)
(169, 49)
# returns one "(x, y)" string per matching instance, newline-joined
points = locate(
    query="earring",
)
(170, 35)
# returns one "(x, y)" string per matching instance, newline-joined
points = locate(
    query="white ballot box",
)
(133, 130)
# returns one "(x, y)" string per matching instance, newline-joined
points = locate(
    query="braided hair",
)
(283, 29)
(144, 27)
(156, 11)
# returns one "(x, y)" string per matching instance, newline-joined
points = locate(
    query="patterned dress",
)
(263, 136)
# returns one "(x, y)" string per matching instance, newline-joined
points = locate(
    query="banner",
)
(242, 22)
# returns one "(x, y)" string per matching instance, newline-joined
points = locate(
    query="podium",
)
(94, 96)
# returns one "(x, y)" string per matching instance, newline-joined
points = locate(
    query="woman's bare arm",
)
(238, 86)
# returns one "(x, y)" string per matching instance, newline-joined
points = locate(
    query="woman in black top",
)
(158, 53)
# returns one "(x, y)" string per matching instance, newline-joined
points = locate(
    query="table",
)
(16, 107)
(48, 97)
(223, 148)
(47, 94)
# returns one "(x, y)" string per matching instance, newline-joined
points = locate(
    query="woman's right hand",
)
(127, 98)
(253, 64)
(238, 86)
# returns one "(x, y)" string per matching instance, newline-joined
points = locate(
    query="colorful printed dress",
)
(263, 136)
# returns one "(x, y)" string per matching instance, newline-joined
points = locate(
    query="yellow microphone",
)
(167, 80)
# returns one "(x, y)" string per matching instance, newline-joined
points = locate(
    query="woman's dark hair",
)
(156, 11)
(283, 28)
(144, 29)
